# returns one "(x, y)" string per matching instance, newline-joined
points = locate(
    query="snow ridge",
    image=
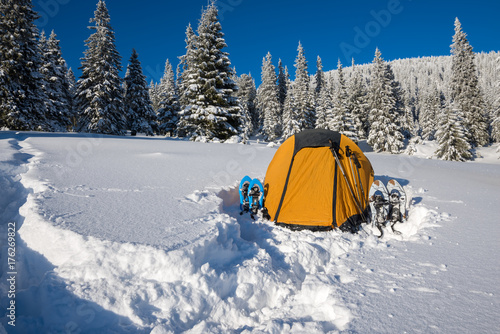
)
(229, 274)
(246, 275)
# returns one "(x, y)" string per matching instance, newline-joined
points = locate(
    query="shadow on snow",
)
(43, 301)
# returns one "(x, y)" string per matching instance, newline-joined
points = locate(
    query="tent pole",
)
(349, 154)
(361, 184)
(358, 166)
(337, 160)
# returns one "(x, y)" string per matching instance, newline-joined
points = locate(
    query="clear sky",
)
(331, 29)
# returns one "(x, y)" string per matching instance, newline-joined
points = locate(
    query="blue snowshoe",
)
(256, 197)
(243, 189)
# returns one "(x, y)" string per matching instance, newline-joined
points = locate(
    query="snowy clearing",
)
(127, 235)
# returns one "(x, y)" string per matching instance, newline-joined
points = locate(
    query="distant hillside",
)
(419, 75)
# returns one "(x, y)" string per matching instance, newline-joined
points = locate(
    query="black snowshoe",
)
(254, 195)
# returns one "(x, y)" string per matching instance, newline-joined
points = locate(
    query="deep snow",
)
(122, 234)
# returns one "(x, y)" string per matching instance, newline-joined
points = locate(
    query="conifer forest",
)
(393, 105)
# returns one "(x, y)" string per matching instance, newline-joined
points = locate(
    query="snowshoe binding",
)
(243, 190)
(256, 197)
(395, 212)
(379, 205)
(398, 203)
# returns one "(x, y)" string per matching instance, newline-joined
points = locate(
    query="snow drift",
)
(144, 235)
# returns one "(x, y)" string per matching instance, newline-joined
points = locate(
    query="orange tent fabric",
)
(319, 180)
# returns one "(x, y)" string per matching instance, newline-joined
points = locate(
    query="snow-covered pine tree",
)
(99, 91)
(187, 84)
(432, 108)
(141, 117)
(4, 104)
(154, 95)
(216, 112)
(188, 80)
(495, 125)
(319, 78)
(320, 102)
(46, 65)
(384, 134)
(404, 118)
(57, 87)
(409, 126)
(358, 102)
(303, 98)
(465, 92)
(247, 94)
(416, 75)
(291, 123)
(451, 137)
(324, 107)
(22, 97)
(178, 77)
(341, 119)
(169, 102)
(267, 100)
(495, 128)
(73, 115)
(283, 77)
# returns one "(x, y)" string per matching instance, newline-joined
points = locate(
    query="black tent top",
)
(316, 138)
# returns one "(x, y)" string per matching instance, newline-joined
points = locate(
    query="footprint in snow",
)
(199, 197)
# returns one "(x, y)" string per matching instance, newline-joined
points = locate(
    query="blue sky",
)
(331, 29)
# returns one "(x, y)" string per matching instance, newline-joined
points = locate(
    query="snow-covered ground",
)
(127, 235)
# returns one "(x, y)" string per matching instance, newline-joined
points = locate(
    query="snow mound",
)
(234, 140)
(489, 154)
(94, 259)
(426, 150)
(216, 283)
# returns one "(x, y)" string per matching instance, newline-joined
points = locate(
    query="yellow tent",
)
(318, 180)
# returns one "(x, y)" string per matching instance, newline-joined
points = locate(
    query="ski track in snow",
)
(236, 275)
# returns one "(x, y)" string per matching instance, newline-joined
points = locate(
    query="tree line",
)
(388, 104)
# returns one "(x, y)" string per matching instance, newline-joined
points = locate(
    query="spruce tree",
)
(188, 85)
(141, 117)
(495, 125)
(319, 101)
(319, 77)
(22, 94)
(324, 107)
(213, 64)
(451, 137)
(291, 118)
(46, 66)
(303, 98)
(214, 112)
(432, 108)
(73, 114)
(4, 93)
(154, 95)
(99, 91)
(247, 95)
(358, 103)
(403, 119)
(57, 88)
(282, 84)
(465, 92)
(384, 134)
(495, 128)
(169, 102)
(178, 75)
(341, 119)
(268, 103)
(409, 126)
